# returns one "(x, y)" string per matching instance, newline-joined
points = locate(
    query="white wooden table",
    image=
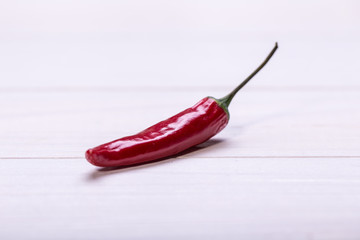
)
(286, 167)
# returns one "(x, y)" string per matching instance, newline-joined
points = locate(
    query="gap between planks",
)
(304, 88)
(181, 157)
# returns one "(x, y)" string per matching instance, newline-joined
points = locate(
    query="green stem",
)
(225, 101)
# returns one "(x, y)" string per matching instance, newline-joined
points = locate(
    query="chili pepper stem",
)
(225, 101)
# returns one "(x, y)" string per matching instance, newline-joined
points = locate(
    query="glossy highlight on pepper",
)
(188, 128)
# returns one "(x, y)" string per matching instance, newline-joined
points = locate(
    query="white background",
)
(74, 74)
(107, 43)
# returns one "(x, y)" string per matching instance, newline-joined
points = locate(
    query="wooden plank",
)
(263, 123)
(254, 198)
(199, 62)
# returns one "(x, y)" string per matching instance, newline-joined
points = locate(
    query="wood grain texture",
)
(290, 198)
(281, 169)
(262, 123)
(75, 74)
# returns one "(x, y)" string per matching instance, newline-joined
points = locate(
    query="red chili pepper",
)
(188, 128)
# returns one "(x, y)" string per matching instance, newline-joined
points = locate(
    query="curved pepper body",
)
(176, 134)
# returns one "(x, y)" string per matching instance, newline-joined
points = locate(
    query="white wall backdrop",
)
(151, 43)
